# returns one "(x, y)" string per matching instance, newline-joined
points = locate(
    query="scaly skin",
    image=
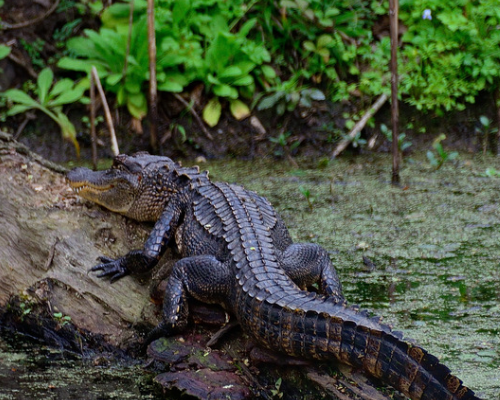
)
(237, 252)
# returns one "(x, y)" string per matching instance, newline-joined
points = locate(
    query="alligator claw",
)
(105, 259)
(110, 267)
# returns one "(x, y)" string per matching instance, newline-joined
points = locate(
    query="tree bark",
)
(49, 239)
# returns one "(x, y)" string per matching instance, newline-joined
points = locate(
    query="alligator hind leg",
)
(309, 263)
(202, 277)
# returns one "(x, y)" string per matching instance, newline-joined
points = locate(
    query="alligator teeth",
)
(80, 188)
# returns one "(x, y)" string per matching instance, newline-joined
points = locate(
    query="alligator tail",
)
(343, 333)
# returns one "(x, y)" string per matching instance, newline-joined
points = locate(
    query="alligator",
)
(237, 252)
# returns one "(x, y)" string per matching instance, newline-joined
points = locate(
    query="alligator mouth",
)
(87, 186)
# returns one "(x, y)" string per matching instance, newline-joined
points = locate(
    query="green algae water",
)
(425, 256)
(33, 372)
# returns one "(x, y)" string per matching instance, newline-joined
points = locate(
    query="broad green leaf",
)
(121, 95)
(113, 79)
(247, 27)
(67, 97)
(173, 82)
(213, 80)
(305, 101)
(138, 99)
(83, 83)
(84, 66)
(324, 40)
(137, 106)
(230, 72)
(44, 82)
(61, 86)
(4, 51)
(121, 10)
(270, 101)
(220, 50)
(79, 46)
(268, 72)
(170, 86)
(68, 130)
(180, 9)
(316, 94)
(133, 86)
(212, 112)
(245, 66)
(225, 91)
(288, 4)
(485, 121)
(244, 81)
(18, 96)
(309, 46)
(239, 109)
(332, 11)
(324, 53)
(17, 109)
(326, 22)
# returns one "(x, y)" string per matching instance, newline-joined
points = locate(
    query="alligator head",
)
(130, 187)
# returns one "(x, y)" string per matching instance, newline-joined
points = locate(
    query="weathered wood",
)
(49, 239)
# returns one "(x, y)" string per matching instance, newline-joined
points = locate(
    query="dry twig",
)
(194, 114)
(153, 89)
(360, 125)
(5, 25)
(107, 113)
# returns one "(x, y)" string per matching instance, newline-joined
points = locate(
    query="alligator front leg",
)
(203, 277)
(139, 261)
(309, 263)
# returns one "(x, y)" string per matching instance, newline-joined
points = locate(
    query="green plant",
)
(356, 141)
(307, 194)
(62, 319)
(486, 131)
(286, 96)
(106, 51)
(402, 143)
(50, 97)
(34, 50)
(4, 51)
(62, 34)
(284, 146)
(492, 172)
(86, 121)
(25, 309)
(440, 155)
(448, 59)
(276, 392)
(195, 43)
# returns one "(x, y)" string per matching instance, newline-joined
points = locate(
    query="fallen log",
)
(49, 238)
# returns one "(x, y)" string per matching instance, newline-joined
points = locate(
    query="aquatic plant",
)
(439, 156)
